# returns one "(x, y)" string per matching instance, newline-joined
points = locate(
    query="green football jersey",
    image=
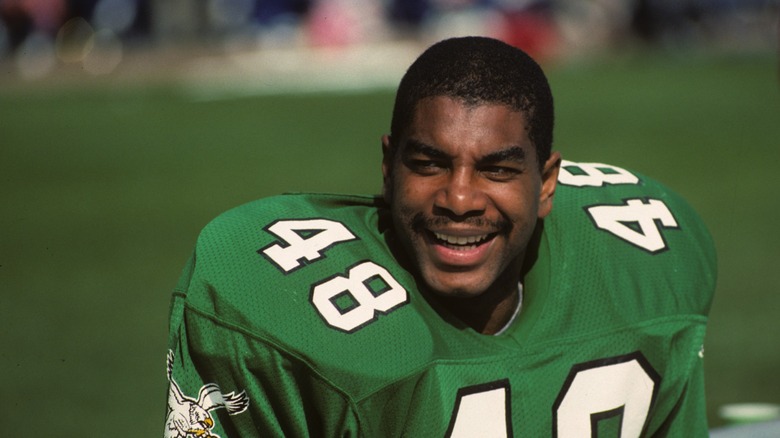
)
(297, 317)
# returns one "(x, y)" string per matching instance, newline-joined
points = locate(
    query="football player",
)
(492, 290)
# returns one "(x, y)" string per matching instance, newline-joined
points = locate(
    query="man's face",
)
(465, 190)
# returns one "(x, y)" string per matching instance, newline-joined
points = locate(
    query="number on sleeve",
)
(305, 241)
(647, 218)
(482, 410)
(596, 390)
(349, 302)
(593, 174)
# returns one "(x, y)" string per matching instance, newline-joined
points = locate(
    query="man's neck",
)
(488, 313)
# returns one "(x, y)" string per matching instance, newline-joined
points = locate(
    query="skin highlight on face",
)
(466, 193)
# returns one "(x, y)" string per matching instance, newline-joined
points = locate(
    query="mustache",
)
(420, 222)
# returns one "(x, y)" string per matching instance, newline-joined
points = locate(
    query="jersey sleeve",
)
(631, 251)
(689, 417)
(226, 382)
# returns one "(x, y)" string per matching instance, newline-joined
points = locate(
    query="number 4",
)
(622, 386)
(306, 239)
(482, 410)
(646, 218)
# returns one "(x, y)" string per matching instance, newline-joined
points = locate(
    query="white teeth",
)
(460, 240)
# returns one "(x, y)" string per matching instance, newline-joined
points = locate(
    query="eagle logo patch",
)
(190, 417)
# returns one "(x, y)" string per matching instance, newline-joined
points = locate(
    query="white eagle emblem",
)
(188, 417)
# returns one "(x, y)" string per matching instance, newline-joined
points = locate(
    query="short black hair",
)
(479, 70)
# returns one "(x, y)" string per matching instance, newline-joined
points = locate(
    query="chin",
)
(455, 288)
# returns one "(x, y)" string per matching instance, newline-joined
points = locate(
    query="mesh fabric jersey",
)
(296, 317)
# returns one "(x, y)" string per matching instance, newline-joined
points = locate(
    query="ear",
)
(387, 167)
(549, 183)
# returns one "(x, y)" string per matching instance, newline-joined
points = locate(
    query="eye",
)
(500, 173)
(425, 166)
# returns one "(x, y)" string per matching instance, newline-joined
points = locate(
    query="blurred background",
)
(39, 36)
(126, 125)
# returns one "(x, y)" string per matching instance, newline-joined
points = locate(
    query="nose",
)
(461, 196)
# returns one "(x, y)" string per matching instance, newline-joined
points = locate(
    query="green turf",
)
(104, 191)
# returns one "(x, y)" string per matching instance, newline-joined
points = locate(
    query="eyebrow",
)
(417, 147)
(511, 153)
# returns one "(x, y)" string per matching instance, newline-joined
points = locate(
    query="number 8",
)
(359, 287)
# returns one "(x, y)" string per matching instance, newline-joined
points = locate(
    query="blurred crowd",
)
(38, 35)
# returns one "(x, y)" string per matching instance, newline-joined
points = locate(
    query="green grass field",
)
(104, 189)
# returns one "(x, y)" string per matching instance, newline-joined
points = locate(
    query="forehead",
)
(457, 127)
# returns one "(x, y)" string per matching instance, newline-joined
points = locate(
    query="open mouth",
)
(461, 243)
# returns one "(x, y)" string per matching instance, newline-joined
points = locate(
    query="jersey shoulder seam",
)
(277, 347)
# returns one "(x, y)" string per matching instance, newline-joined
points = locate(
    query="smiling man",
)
(493, 289)
(466, 192)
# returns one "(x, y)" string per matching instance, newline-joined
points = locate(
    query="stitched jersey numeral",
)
(621, 388)
(482, 410)
(637, 222)
(593, 174)
(305, 241)
(345, 302)
(348, 302)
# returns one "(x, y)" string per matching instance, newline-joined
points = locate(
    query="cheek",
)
(520, 206)
(404, 204)
(411, 193)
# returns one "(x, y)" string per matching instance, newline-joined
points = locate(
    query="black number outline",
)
(484, 387)
(303, 261)
(645, 200)
(577, 368)
(377, 312)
